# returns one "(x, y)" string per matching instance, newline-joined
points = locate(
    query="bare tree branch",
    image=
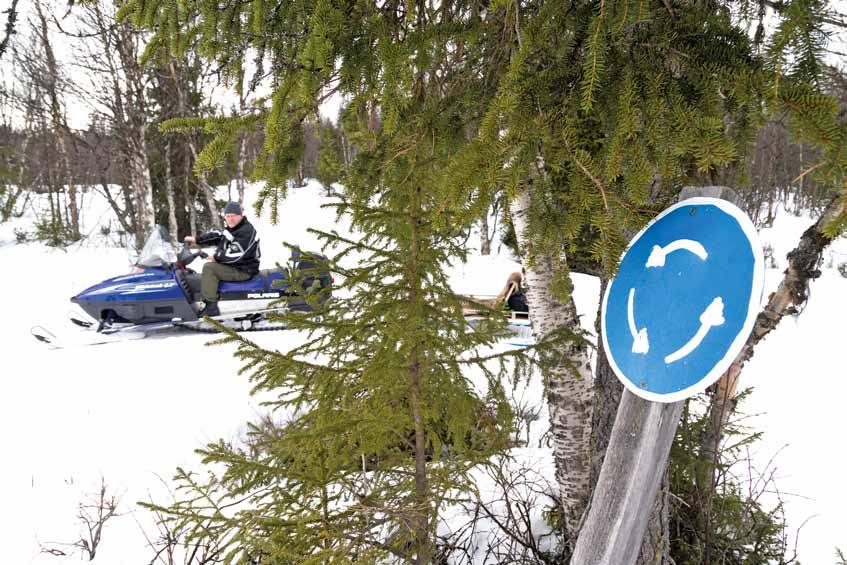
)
(10, 26)
(835, 19)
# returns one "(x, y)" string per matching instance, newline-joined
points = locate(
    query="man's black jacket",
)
(238, 246)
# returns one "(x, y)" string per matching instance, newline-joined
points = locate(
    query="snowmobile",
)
(163, 292)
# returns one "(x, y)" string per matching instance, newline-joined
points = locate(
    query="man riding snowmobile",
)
(236, 258)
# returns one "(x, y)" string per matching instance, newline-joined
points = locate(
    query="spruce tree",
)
(330, 165)
(381, 425)
(377, 425)
(599, 110)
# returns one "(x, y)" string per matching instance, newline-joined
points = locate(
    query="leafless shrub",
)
(770, 260)
(93, 514)
(508, 523)
(526, 412)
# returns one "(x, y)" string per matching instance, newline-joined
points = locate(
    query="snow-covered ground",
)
(798, 376)
(129, 413)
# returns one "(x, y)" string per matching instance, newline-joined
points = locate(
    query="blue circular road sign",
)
(684, 300)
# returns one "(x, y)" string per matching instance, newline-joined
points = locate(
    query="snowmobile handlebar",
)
(186, 255)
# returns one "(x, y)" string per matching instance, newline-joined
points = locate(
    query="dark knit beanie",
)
(233, 208)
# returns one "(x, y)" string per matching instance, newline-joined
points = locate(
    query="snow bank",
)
(131, 412)
(798, 377)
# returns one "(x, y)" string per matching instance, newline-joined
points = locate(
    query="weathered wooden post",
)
(641, 439)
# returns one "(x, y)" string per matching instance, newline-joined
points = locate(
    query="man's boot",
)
(210, 309)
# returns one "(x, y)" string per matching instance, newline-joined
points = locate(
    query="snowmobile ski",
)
(43, 335)
(81, 323)
(55, 341)
(91, 335)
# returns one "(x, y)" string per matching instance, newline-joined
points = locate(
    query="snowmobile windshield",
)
(157, 251)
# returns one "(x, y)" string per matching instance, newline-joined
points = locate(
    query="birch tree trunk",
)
(129, 105)
(192, 146)
(11, 18)
(189, 198)
(142, 188)
(484, 239)
(13, 195)
(242, 143)
(60, 127)
(169, 194)
(214, 212)
(242, 159)
(569, 392)
(346, 150)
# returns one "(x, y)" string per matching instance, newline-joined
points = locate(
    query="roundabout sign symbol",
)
(684, 300)
(711, 316)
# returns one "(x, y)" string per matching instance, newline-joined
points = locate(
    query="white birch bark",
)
(134, 111)
(60, 127)
(569, 393)
(188, 197)
(242, 144)
(169, 194)
(142, 187)
(214, 212)
(484, 238)
(242, 160)
(201, 177)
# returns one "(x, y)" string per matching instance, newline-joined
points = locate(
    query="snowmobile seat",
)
(262, 282)
(256, 284)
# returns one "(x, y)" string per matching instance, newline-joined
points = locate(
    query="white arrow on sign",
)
(640, 343)
(712, 316)
(658, 254)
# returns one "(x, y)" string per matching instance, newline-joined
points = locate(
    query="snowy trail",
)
(131, 412)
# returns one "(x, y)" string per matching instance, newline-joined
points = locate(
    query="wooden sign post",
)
(633, 467)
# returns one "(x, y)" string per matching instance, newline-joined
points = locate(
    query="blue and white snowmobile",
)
(163, 292)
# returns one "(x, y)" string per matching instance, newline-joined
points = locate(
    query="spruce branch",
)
(589, 174)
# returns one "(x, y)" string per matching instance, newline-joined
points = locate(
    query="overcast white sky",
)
(79, 110)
